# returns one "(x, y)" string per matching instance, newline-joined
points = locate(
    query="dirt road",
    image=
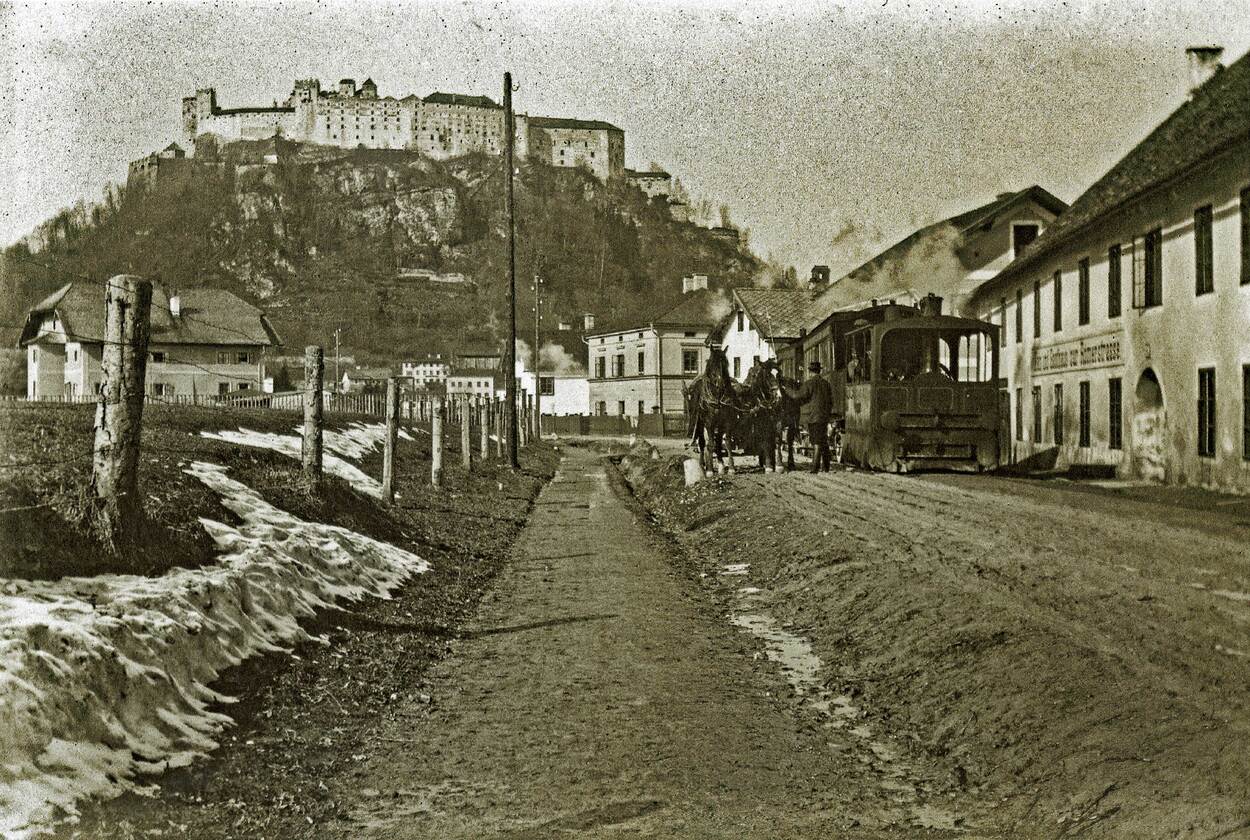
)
(1079, 660)
(601, 694)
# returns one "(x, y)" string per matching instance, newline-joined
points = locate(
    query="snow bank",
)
(354, 442)
(106, 678)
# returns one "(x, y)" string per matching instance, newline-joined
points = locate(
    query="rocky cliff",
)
(360, 240)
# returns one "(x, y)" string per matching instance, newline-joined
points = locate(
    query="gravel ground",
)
(1078, 659)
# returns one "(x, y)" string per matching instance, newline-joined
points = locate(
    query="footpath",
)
(598, 694)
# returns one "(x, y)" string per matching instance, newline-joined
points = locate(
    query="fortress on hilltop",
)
(442, 125)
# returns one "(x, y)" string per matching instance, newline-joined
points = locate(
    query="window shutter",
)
(1139, 273)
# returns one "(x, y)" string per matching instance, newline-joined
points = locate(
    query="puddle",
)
(791, 652)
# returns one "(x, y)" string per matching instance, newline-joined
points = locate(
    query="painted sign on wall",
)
(1078, 354)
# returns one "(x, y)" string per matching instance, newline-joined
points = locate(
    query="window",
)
(601, 408)
(161, 389)
(741, 319)
(1148, 274)
(1058, 301)
(546, 386)
(620, 408)
(1057, 420)
(642, 362)
(1206, 412)
(1204, 279)
(1115, 413)
(1019, 316)
(1245, 236)
(1019, 414)
(1037, 308)
(689, 361)
(1113, 281)
(737, 367)
(1022, 235)
(1037, 413)
(600, 363)
(618, 364)
(642, 409)
(222, 388)
(1083, 418)
(1082, 292)
(158, 355)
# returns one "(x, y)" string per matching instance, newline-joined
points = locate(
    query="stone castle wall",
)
(440, 126)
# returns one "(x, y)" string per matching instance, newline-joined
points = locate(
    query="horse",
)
(787, 426)
(712, 411)
(758, 398)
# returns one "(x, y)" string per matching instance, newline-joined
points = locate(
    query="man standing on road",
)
(815, 399)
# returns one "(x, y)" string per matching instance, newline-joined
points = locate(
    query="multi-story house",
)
(428, 371)
(1126, 325)
(204, 342)
(642, 368)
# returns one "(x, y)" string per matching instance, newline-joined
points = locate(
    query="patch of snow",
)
(1232, 596)
(106, 679)
(354, 442)
(736, 569)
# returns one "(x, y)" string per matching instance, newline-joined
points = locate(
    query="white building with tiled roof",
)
(1127, 323)
(204, 342)
(761, 322)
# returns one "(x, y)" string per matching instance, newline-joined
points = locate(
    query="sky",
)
(830, 129)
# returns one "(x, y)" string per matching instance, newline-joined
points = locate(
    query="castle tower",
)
(189, 122)
(368, 90)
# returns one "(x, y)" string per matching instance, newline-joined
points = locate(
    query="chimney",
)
(819, 278)
(588, 321)
(930, 305)
(175, 305)
(1204, 63)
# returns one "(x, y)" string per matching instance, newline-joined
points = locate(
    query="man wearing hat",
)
(815, 398)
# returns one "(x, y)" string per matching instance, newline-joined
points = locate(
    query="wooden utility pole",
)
(119, 411)
(314, 372)
(392, 437)
(538, 404)
(466, 434)
(436, 442)
(510, 352)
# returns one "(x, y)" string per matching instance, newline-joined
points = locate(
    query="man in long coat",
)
(815, 398)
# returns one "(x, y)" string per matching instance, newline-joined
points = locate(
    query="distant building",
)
(729, 235)
(361, 379)
(473, 382)
(428, 371)
(654, 184)
(641, 368)
(440, 126)
(204, 342)
(1126, 325)
(171, 160)
(594, 145)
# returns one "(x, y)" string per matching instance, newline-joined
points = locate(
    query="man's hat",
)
(814, 367)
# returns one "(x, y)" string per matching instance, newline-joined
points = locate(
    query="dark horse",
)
(787, 426)
(758, 401)
(712, 411)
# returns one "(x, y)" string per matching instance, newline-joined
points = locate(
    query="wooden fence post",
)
(119, 411)
(436, 442)
(314, 370)
(466, 434)
(483, 421)
(388, 445)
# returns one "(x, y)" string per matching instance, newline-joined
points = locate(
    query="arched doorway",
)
(1149, 433)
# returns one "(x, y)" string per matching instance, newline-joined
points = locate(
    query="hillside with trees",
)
(324, 239)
